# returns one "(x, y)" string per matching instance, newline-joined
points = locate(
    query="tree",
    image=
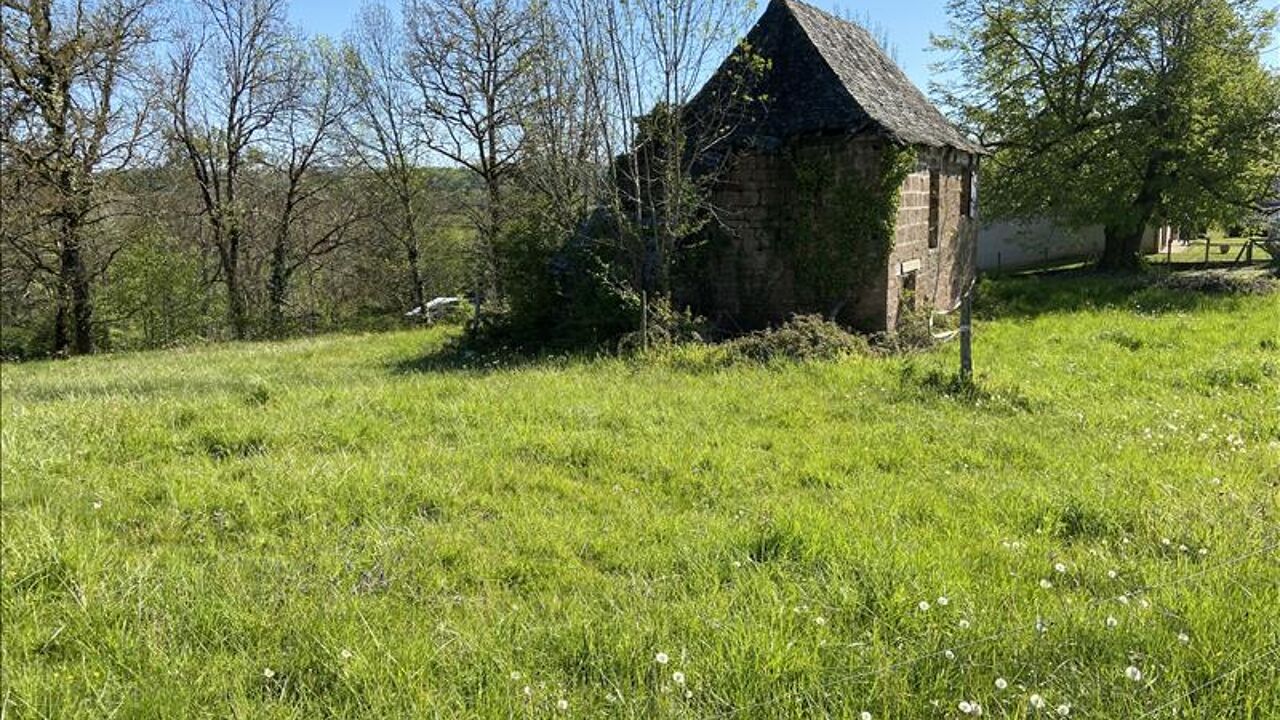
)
(72, 114)
(387, 143)
(229, 84)
(471, 61)
(1118, 112)
(302, 154)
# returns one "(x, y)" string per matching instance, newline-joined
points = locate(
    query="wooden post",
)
(966, 331)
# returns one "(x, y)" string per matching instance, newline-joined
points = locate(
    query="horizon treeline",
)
(190, 170)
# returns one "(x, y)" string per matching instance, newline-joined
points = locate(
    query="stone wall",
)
(942, 272)
(757, 271)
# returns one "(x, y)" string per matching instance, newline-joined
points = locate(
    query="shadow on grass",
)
(1161, 290)
(456, 356)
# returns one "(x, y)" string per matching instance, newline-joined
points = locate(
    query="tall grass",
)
(315, 529)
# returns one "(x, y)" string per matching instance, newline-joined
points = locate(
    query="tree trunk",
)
(73, 332)
(418, 299)
(1123, 249)
(278, 288)
(236, 315)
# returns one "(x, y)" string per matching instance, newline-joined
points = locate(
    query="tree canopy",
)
(1119, 113)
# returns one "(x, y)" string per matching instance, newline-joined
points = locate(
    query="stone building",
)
(839, 189)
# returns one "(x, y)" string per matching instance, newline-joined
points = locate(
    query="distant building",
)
(802, 182)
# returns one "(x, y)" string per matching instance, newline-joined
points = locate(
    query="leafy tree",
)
(71, 114)
(1118, 112)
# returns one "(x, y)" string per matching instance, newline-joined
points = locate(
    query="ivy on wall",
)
(841, 226)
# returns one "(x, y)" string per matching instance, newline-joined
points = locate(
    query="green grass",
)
(315, 529)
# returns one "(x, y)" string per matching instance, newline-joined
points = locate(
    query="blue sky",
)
(907, 22)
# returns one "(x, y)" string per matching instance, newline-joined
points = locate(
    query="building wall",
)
(941, 274)
(748, 277)
(1018, 244)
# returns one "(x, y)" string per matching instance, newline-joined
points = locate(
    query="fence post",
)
(966, 330)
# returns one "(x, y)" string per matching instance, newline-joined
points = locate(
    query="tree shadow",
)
(456, 357)
(1152, 291)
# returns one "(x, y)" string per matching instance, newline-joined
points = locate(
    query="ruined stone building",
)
(841, 189)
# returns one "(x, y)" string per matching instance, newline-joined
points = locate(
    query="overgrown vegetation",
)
(328, 527)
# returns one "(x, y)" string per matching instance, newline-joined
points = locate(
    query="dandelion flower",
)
(1036, 701)
(268, 673)
(1112, 622)
(1184, 638)
(1064, 710)
(737, 563)
(924, 606)
(964, 624)
(1166, 542)
(864, 715)
(1001, 684)
(528, 691)
(1203, 551)
(661, 658)
(1145, 603)
(1061, 568)
(97, 504)
(677, 677)
(515, 674)
(965, 707)
(1133, 673)
(949, 655)
(1112, 574)
(1045, 584)
(562, 704)
(942, 601)
(1123, 599)
(820, 620)
(346, 654)
(688, 694)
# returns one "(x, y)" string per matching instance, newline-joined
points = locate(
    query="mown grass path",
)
(315, 529)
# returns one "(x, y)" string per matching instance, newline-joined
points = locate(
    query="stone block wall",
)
(747, 278)
(941, 273)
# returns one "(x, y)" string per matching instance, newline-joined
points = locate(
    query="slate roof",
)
(827, 75)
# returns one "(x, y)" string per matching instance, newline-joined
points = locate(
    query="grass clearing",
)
(315, 529)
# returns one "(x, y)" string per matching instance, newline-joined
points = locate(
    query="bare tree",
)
(387, 143)
(71, 114)
(230, 82)
(302, 152)
(471, 61)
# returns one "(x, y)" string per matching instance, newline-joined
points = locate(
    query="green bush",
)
(804, 337)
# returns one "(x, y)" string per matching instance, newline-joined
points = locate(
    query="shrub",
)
(804, 337)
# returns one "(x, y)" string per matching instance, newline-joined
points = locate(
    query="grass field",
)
(333, 528)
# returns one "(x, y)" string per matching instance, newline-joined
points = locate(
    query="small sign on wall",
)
(909, 266)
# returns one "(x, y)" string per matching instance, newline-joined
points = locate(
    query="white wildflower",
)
(1061, 568)
(949, 655)
(1112, 622)
(820, 620)
(1036, 701)
(1123, 599)
(562, 704)
(346, 654)
(965, 707)
(964, 624)
(661, 658)
(1001, 684)
(515, 674)
(1112, 574)
(688, 694)
(864, 715)
(268, 673)
(1184, 638)
(1064, 710)
(942, 601)
(528, 691)
(924, 606)
(677, 677)
(1133, 673)
(1045, 584)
